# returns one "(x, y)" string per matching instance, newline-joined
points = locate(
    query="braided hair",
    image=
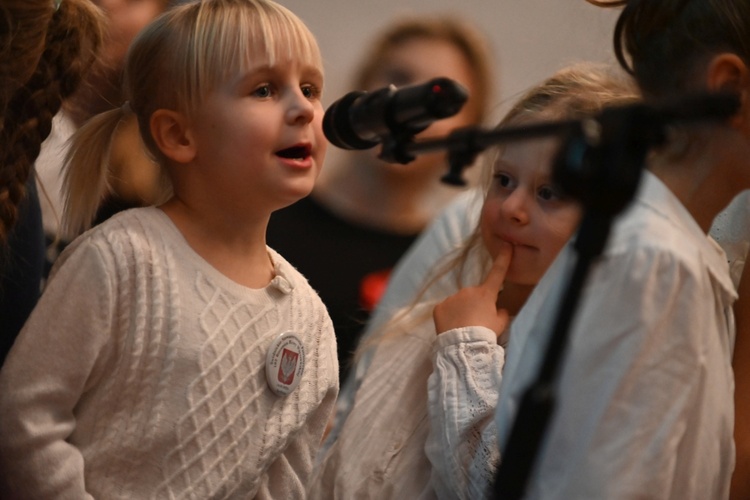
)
(59, 44)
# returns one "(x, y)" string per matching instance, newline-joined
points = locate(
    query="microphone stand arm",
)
(464, 144)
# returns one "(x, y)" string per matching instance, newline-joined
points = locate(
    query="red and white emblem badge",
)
(285, 363)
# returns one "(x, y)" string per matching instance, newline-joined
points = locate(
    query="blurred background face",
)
(523, 208)
(416, 61)
(101, 89)
(125, 19)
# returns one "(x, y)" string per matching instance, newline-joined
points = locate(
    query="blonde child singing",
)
(174, 355)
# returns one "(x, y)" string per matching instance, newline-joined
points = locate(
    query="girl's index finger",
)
(496, 275)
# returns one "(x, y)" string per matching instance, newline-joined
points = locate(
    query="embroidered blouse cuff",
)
(465, 334)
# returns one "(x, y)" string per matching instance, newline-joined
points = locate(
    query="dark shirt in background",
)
(346, 263)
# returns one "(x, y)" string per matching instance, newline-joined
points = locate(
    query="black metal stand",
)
(604, 169)
(611, 167)
(538, 402)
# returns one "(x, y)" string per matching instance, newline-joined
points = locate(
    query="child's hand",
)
(477, 306)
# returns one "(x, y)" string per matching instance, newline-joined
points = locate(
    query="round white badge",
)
(285, 363)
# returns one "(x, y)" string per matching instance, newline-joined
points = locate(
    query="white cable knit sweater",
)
(141, 374)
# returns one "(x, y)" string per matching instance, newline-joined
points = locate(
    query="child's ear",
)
(171, 132)
(727, 72)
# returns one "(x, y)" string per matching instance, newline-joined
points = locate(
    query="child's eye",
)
(262, 91)
(549, 193)
(503, 179)
(399, 77)
(311, 91)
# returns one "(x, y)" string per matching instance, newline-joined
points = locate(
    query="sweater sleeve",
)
(345, 401)
(48, 369)
(463, 392)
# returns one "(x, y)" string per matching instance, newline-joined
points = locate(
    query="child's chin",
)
(295, 195)
(521, 277)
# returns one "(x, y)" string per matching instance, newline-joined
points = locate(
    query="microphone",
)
(361, 120)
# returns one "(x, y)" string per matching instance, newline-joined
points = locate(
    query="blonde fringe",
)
(85, 171)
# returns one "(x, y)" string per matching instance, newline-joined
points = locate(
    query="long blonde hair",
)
(173, 64)
(573, 93)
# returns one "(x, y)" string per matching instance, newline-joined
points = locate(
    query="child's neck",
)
(237, 251)
(706, 180)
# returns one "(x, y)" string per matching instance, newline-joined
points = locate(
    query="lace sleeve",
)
(463, 392)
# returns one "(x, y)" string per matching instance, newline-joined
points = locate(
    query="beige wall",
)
(531, 38)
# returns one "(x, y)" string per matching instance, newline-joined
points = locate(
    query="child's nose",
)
(515, 206)
(301, 109)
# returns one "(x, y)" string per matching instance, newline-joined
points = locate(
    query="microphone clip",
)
(394, 149)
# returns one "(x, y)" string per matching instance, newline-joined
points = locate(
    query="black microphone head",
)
(415, 107)
(361, 120)
(337, 125)
(447, 97)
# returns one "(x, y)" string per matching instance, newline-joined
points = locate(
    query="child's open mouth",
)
(295, 153)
